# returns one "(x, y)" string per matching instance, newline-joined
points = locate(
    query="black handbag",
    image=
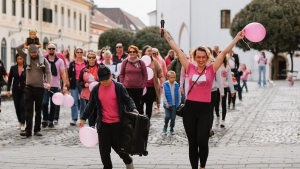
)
(180, 109)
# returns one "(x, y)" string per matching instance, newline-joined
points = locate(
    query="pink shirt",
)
(245, 74)
(109, 103)
(201, 91)
(78, 68)
(162, 64)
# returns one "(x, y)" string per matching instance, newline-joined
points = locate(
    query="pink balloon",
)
(256, 58)
(150, 73)
(144, 91)
(146, 59)
(68, 100)
(92, 85)
(88, 136)
(58, 98)
(255, 32)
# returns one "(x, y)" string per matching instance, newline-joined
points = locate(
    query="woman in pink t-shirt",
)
(196, 116)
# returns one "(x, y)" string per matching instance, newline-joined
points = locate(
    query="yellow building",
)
(63, 22)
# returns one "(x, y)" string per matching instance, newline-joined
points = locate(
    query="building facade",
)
(195, 22)
(65, 23)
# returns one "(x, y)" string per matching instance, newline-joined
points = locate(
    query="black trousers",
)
(213, 105)
(197, 123)
(18, 96)
(148, 98)
(33, 96)
(109, 138)
(224, 108)
(93, 118)
(136, 95)
(238, 80)
(231, 99)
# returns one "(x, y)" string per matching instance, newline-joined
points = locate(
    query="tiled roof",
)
(123, 19)
(103, 20)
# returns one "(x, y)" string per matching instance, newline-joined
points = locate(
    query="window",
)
(13, 5)
(13, 51)
(55, 15)
(225, 18)
(84, 23)
(3, 52)
(37, 10)
(45, 42)
(3, 6)
(80, 22)
(23, 9)
(29, 9)
(69, 18)
(62, 17)
(74, 21)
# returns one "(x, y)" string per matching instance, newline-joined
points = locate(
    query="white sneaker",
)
(217, 121)
(22, 128)
(222, 124)
(129, 166)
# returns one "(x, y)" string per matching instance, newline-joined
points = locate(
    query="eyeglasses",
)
(91, 57)
(51, 48)
(79, 52)
(132, 52)
(119, 46)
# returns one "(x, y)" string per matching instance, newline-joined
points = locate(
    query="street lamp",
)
(13, 32)
(56, 37)
(90, 40)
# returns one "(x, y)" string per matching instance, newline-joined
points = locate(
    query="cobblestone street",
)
(262, 132)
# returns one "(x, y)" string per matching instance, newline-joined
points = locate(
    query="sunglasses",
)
(132, 52)
(119, 46)
(91, 57)
(51, 48)
(79, 52)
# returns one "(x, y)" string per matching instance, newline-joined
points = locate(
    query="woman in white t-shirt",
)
(262, 62)
(197, 116)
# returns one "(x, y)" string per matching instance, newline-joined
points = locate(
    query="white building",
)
(206, 22)
(65, 23)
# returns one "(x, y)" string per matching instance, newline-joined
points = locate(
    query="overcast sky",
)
(138, 8)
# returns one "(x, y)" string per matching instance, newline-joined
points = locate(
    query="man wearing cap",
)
(109, 96)
(37, 80)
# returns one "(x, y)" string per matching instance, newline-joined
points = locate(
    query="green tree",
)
(113, 36)
(281, 20)
(151, 36)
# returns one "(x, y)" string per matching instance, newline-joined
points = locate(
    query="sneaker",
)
(172, 131)
(42, 66)
(38, 133)
(28, 67)
(129, 166)
(217, 121)
(73, 123)
(44, 125)
(164, 130)
(55, 122)
(222, 124)
(51, 126)
(22, 128)
(24, 133)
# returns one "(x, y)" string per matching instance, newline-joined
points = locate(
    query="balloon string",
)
(246, 44)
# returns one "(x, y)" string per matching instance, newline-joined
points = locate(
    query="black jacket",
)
(72, 74)
(117, 60)
(122, 96)
(16, 79)
(2, 73)
(236, 60)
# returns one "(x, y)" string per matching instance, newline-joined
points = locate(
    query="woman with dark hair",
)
(66, 54)
(86, 77)
(196, 116)
(262, 62)
(17, 78)
(153, 85)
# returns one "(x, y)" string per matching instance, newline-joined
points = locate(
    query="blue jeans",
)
(48, 96)
(262, 69)
(170, 113)
(75, 93)
(245, 85)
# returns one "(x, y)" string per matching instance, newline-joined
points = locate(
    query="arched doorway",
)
(45, 42)
(13, 51)
(279, 66)
(184, 38)
(3, 52)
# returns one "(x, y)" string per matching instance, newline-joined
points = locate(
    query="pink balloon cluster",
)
(255, 32)
(88, 136)
(60, 99)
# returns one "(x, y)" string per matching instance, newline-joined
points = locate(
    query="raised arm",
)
(21, 52)
(181, 56)
(219, 60)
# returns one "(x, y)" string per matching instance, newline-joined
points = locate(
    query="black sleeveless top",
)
(32, 41)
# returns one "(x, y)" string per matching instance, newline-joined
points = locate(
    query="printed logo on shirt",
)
(224, 73)
(201, 82)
